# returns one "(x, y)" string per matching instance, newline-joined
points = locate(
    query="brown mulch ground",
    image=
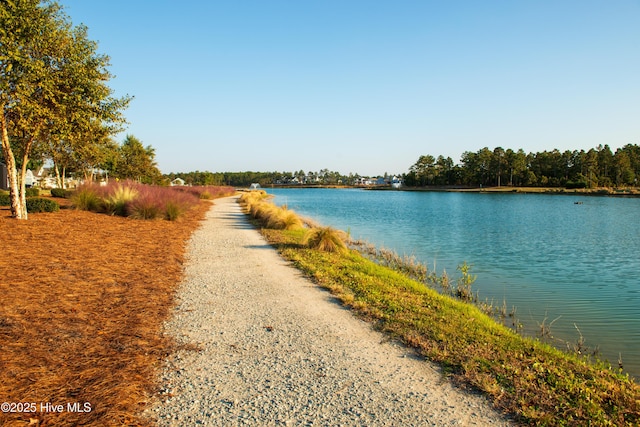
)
(82, 301)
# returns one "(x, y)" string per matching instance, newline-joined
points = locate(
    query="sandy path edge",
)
(278, 350)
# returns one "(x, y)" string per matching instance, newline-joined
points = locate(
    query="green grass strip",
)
(535, 382)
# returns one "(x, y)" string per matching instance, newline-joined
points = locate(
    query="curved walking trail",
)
(274, 349)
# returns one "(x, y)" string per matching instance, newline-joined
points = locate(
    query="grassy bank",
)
(535, 382)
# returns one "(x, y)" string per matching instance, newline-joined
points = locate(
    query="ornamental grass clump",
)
(177, 204)
(135, 200)
(284, 219)
(325, 239)
(120, 195)
(270, 215)
(87, 198)
(156, 202)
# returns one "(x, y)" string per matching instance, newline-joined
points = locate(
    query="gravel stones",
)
(266, 347)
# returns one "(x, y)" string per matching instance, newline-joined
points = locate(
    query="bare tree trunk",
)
(57, 171)
(17, 207)
(23, 175)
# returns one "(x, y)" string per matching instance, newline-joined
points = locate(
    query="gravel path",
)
(277, 350)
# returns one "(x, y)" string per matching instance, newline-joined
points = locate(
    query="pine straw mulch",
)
(83, 298)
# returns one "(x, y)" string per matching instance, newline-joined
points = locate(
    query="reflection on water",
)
(544, 254)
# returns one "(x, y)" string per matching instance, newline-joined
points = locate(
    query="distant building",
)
(29, 179)
(178, 182)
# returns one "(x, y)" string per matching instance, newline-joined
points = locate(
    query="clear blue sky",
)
(367, 86)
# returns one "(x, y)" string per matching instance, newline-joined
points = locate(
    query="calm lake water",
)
(553, 259)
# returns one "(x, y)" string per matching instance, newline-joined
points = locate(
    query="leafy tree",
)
(137, 162)
(424, 170)
(498, 164)
(52, 87)
(30, 39)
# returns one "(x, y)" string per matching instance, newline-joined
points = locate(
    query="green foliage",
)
(5, 200)
(136, 162)
(31, 192)
(52, 82)
(571, 169)
(60, 193)
(464, 282)
(38, 204)
(87, 199)
(570, 185)
(245, 179)
(538, 384)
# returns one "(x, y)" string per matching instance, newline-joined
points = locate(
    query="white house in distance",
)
(178, 182)
(29, 179)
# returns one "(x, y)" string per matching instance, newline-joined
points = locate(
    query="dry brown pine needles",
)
(83, 298)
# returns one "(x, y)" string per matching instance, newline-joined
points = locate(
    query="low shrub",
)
(31, 192)
(60, 193)
(5, 200)
(39, 204)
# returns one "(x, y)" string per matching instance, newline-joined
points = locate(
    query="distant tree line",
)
(598, 167)
(245, 179)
